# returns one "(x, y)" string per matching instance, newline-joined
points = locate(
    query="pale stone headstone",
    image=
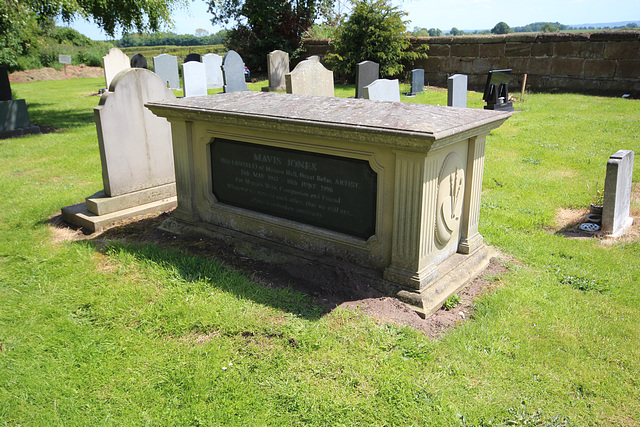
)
(417, 81)
(192, 57)
(457, 91)
(233, 72)
(195, 78)
(166, 66)
(383, 90)
(366, 73)
(310, 78)
(213, 68)
(617, 193)
(278, 67)
(135, 145)
(315, 58)
(139, 61)
(114, 62)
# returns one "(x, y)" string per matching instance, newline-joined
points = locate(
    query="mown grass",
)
(139, 334)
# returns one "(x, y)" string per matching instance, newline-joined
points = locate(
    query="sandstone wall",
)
(599, 63)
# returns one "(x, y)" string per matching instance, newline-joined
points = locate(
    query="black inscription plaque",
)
(332, 192)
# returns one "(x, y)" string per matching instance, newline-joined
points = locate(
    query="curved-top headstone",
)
(114, 62)
(193, 57)
(166, 66)
(139, 61)
(310, 78)
(278, 67)
(135, 145)
(383, 90)
(366, 73)
(233, 72)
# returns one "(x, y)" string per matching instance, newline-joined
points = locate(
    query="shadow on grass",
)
(43, 115)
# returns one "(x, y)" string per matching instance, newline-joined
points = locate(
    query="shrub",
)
(375, 31)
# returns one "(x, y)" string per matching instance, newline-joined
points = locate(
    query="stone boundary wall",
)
(598, 63)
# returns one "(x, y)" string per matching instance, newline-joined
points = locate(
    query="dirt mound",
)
(72, 72)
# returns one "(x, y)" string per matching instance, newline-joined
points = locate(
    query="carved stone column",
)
(470, 238)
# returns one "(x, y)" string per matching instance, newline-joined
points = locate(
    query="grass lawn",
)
(143, 335)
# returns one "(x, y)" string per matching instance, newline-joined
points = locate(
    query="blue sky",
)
(445, 14)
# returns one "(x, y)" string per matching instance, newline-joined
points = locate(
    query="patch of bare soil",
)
(567, 223)
(72, 72)
(337, 286)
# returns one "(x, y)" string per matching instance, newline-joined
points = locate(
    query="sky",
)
(445, 14)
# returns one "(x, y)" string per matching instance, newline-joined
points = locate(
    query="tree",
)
(501, 28)
(21, 19)
(456, 32)
(375, 31)
(548, 28)
(435, 32)
(201, 32)
(265, 25)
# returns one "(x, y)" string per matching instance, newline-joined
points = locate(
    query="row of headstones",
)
(200, 73)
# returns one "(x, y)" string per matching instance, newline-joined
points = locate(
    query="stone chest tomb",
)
(393, 188)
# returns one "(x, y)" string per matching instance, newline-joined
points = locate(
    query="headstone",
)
(496, 91)
(136, 153)
(193, 57)
(383, 90)
(617, 193)
(114, 62)
(5, 85)
(315, 58)
(213, 69)
(310, 78)
(195, 78)
(166, 66)
(457, 91)
(139, 61)
(233, 72)
(417, 81)
(64, 59)
(278, 67)
(366, 73)
(14, 116)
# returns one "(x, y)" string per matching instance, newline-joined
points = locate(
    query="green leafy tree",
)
(501, 28)
(265, 25)
(375, 31)
(22, 22)
(435, 32)
(456, 32)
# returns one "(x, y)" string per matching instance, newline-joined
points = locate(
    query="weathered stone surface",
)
(135, 145)
(166, 67)
(439, 50)
(195, 78)
(277, 67)
(114, 62)
(542, 49)
(617, 193)
(597, 69)
(567, 67)
(491, 50)
(382, 90)
(233, 72)
(139, 61)
(627, 69)
(622, 50)
(366, 73)
(517, 49)
(457, 91)
(14, 119)
(540, 66)
(310, 78)
(213, 68)
(465, 50)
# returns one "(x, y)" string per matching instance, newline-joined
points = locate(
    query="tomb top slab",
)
(429, 122)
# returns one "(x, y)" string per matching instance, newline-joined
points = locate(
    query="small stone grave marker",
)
(195, 78)
(457, 91)
(617, 193)
(366, 73)
(233, 72)
(417, 81)
(278, 67)
(213, 69)
(5, 85)
(14, 116)
(114, 62)
(310, 78)
(139, 61)
(166, 66)
(383, 90)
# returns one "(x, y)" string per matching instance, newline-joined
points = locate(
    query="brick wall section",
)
(600, 63)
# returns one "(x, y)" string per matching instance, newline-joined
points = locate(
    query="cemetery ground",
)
(137, 327)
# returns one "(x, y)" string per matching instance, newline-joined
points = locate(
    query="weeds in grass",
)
(451, 302)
